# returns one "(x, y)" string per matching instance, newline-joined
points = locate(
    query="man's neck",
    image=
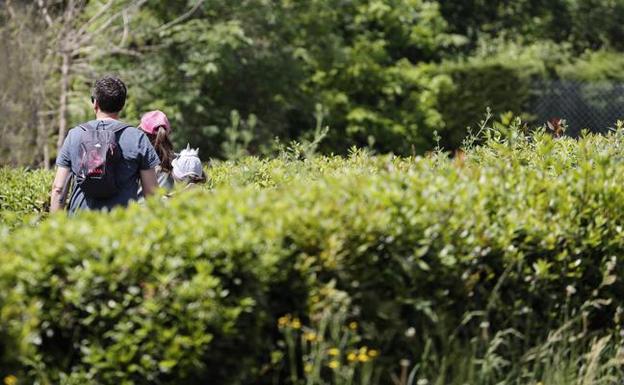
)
(101, 115)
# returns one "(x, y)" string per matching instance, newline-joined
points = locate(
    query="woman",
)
(157, 128)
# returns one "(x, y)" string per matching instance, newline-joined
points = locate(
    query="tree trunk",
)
(42, 141)
(63, 98)
(46, 156)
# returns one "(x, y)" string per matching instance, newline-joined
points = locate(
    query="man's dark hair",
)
(110, 93)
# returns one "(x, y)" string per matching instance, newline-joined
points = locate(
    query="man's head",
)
(109, 95)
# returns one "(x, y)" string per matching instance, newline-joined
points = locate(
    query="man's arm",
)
(57, 200)
(149, 182)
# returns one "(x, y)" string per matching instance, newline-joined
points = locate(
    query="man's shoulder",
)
(133, 130)
(74, 133)
(132, 133)
(127, 129)
(76, 129)
(132, 139)
(82, 126)
(104, 123)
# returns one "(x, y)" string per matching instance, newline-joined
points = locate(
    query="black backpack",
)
(99, 156)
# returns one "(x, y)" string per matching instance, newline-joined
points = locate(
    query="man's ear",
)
(96, 106)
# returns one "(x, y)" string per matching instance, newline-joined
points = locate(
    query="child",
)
(187, 167)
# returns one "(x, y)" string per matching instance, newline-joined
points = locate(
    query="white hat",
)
(187, 164)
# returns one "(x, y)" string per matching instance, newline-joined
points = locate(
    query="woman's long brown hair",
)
(164, 148)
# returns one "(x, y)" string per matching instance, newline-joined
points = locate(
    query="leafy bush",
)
(484, 253)
(500, 75)
(595, 66)
(498, 86)
(23, 194)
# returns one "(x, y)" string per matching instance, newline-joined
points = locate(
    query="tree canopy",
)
(249, 76)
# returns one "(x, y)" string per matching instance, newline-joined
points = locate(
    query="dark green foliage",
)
(274, 62)
(586, 25)
(371, 66)
(504, 87)
(233, 76)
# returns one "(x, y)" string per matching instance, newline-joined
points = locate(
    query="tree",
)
(585, 24)
(80, 32)
(24, 77)
(51, 45)
(274, 62)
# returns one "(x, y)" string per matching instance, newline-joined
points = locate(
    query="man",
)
(136, 159)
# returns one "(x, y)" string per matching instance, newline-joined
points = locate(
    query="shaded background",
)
(250, 77)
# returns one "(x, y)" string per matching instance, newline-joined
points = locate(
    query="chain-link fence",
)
(584, 105)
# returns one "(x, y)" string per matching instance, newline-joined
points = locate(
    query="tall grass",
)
(568, 356)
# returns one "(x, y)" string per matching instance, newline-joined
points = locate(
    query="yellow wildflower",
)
(373, 353)
(363, 350)
(353, 325)
(296, 324)
(334, 364)
(309, 336)
(283, 321)
(352, 357)
(10, 380)
(333, 352)
(363, 357)
(308, 368)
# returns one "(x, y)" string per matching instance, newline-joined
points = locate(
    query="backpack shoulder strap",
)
(87, 127)
(120, 128)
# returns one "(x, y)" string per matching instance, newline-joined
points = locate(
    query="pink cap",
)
(154, 119)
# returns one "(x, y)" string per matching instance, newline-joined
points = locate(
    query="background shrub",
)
(24, 195)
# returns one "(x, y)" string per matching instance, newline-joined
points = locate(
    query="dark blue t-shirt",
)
(137, 154)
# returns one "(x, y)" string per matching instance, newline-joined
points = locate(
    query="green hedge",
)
(520, 234)
(24, 194)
